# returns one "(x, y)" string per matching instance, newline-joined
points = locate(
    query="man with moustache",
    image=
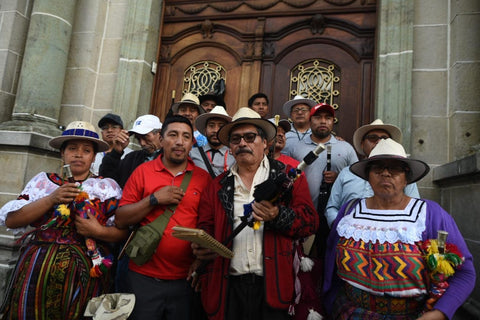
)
(146, 130)
(258, 282)
(160, 285)
(214, 157)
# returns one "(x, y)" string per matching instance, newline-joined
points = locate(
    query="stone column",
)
(39, 94)
(394, 64)
(134, 85)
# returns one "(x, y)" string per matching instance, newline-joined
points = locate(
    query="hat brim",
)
(358, 135)
(106, 120)
(201, 121)
(142, 130)
(268, 127)
(287, 107)
(58, 141)
(418, 168)
(176, 105)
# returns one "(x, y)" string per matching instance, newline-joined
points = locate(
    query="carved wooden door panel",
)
(263, 45)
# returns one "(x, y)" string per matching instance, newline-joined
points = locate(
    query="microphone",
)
(311, 156)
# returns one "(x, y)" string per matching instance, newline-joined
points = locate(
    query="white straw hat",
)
(79, 130)
(378, 124)
(247, 116)
(287, 107)
(188, 98)
(389, 149)
(217, 112)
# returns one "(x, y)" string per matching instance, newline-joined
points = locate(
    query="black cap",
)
(110, 117)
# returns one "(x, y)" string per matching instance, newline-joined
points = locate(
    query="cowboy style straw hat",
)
(389, 149)
(287, 107)
(79, 130)
(217, 112)
(188, 98)
(246, 116)
(378, 124)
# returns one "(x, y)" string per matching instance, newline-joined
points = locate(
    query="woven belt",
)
(384, 304)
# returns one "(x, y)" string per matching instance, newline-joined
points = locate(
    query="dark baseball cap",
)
(109, 118)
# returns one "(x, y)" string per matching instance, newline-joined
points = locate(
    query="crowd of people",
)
(315, 232)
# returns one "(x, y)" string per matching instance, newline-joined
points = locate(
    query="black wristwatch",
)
(153, 200)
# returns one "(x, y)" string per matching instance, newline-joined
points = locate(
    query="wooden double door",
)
(323, 50)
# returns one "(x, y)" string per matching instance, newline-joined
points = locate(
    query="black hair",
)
(172, 119)
(255, 96)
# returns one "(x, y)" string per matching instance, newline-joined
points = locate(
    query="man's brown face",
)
(281, 140)
(260, 105)
(371, 139)
(300, 114)
(211, 129)
(189, 111)
(177, 141)
(208, 105)
(321, 124)
(110, 131)
(246, 145)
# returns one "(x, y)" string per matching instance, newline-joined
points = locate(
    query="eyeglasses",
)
(206, 104)
(111, 126)
(249, 137)
(393, 168)
(300, 110)
(374, 138)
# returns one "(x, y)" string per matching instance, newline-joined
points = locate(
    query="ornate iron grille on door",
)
(201, 77)
(315, 79)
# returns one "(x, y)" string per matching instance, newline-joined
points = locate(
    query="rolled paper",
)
(442, 239)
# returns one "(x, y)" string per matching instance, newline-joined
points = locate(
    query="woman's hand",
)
(88, 227)
(64, 194)
(433, 315)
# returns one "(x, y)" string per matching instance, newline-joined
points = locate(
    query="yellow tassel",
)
(256, 225)
(444, 267)
(63, 210)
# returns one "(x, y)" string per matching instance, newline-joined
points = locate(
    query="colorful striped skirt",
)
(52, 281)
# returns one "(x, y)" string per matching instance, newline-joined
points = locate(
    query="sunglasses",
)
(374, 137)
(249, 137)
(393, 168)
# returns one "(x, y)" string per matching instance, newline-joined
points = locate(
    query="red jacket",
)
(298, 220)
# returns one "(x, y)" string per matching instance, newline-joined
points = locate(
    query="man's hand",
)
(203, 253)
(169, 195)
(121, 141)
(264, 210)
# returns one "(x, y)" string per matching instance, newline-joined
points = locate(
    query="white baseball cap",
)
(145, 124)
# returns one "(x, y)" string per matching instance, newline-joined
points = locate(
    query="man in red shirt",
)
(160, 285)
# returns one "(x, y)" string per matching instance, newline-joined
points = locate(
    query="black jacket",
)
(120, 169)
